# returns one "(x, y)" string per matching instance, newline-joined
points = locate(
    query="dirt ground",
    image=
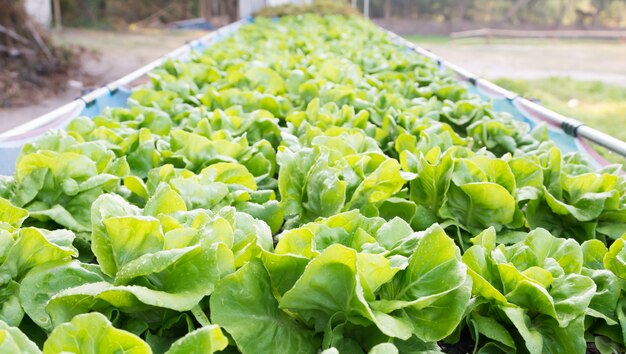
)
(586, 61)
(110, 56)
(118, 53)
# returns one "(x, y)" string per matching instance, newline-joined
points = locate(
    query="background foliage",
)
(580, 13)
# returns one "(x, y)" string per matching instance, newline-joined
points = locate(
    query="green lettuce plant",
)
(309, 191)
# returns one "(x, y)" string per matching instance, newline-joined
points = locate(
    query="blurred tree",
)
(461, 9)
(600, 6)
(387, 9)
(514, 9)
(107, 13)
(541, 12)
(210, 9)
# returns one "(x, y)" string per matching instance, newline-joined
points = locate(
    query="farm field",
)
(319, 192)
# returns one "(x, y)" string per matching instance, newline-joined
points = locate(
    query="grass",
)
(599, 105)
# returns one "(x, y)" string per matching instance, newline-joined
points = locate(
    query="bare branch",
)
(14, 35)
(40, 42)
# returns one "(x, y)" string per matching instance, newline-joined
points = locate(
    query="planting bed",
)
(308, 186)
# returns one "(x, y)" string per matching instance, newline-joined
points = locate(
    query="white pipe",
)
(611, 143)
(499, 90)
(68, 108)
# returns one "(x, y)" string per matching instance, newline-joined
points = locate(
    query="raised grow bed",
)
(308, 185)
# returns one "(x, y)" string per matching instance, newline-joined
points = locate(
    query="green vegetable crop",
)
(308, 186)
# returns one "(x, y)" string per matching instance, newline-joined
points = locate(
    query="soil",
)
(18, 84)
(21, 85)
